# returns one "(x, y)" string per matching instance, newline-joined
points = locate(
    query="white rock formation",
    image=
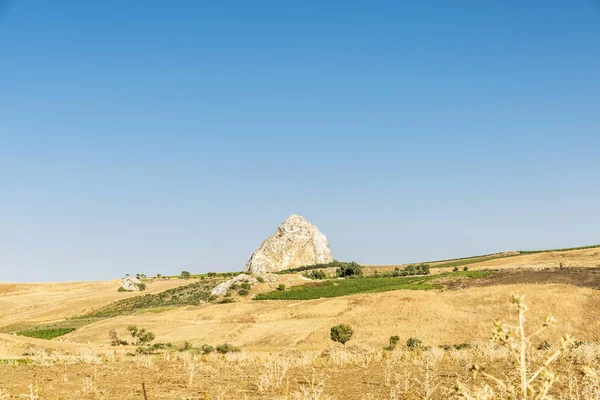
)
(222, 288)
(296, 243)
(131, 284)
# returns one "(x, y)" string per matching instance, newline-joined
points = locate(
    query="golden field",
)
(286, 349)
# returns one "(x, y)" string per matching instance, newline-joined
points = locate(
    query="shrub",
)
(185, 275)
(243, 292)
(207, 349)
(234, 286)
(281, 287)
(141, 335)
(393, 342)
(114, 339)
(341, 333)
(465, 268)
(227, 300)
(122, 289)
(211, 274)
(414, 344)
(212, 297)
(227, 348)
(316, 274)
(141, 286)
(246, 285)
(159, 276)
(260, 279)
(455, 269)
(352, 269)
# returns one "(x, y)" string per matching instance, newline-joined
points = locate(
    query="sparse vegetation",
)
(315, 274)
(243, 292)
(227, 348)
(335, 264)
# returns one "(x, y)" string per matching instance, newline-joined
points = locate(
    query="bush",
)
(227, 348)
(316, 274)
(393, 342)
(141, 335)
(114, 339)
(414, 344)
(211, 274)
(141, 286)
(243, 292)
(207, 349)
(234, 286)
(455, 269)
(122, 289)
(281, 287)
(465, 268)
(227, 300)
(185, 275)
(212, 297)
(246, 285)
(341, 333)
(352, 269)
(260, 279)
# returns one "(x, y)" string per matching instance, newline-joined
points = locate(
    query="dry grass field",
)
(286, 351)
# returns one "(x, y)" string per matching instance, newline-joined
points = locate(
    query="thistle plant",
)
(534, 383)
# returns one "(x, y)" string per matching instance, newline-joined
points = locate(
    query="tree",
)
(341, 333)
(185, 275)
(142, 336)
(351, 269)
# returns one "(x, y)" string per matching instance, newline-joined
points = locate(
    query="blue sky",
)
(160, 136)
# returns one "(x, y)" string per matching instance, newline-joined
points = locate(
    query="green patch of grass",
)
(49, 333)
(14, 361)
(344, 287)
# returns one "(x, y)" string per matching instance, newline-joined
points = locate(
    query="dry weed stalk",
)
(312, 390)
(532, 384)
(33, 393)
(272, 375)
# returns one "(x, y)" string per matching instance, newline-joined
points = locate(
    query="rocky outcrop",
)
(222, 288)
(131, 284)
(296, 243)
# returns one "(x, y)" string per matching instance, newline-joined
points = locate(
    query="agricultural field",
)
(413, 337)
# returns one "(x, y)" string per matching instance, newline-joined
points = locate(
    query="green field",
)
(345, 287)
(48, 333)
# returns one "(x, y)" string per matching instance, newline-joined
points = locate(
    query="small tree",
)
(341, 333)
(465, 268)
(281, 287)
(185, 275)
(351, 269)
(142, 336)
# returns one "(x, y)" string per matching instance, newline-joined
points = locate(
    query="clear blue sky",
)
(155, 136)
